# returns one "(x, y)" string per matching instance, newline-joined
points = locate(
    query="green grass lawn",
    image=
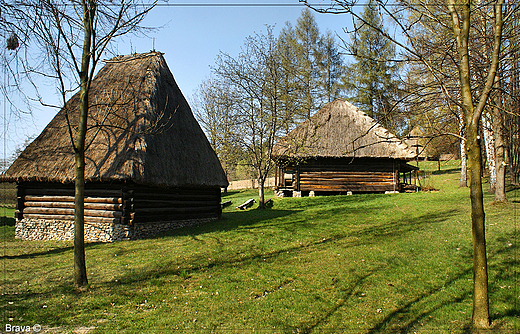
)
(359, 264)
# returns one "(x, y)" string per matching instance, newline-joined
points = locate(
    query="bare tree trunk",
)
(463, 162)
(498, 129)
(460, 12)
(489, 145)
(480, 276)
(80, 270)
(261, 193)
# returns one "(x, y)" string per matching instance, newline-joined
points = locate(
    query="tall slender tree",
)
(371, 78)
(72, 37)
(307, 48)
(214, 108)
(330, 65)
(291, 99)
(458, 17)
(257, 81)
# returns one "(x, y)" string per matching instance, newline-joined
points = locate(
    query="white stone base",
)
(42, 229)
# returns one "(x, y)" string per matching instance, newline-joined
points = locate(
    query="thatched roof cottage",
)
(149, 166)
(340, 149)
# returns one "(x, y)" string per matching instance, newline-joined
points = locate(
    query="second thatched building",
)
(341, 150)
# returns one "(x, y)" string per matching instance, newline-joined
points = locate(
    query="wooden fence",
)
(250, 184)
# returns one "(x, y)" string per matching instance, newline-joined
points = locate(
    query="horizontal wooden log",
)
(246, 204)
(357, 187)
(70, 192)
(91, 206)
(346, 176)
(353, 181)
(140, 203)
(366, 188)
(152, 211)
(352, 174)
(176, 191)
(71, 218)
(181, 197)
(143, 219)
(60, 211)
(348, 179)
(33, 198)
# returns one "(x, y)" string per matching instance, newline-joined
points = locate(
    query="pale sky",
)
(192, 34)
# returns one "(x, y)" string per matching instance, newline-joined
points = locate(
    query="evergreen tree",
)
(330, 66)
(307, 39)
(290, 87)
(371, 78)
(312, 63)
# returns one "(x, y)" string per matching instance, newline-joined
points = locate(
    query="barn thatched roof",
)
(340, 129)
(141, 129)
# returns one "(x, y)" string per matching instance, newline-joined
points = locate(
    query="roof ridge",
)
(134, 56)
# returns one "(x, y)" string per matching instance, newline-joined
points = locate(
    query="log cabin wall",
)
(344, 175)
(115, 211)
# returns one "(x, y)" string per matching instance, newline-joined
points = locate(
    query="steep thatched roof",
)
(340, 129)
(141, 129)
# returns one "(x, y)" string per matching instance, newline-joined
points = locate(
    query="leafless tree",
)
(64, 41)
(459, 18)
(257, 81)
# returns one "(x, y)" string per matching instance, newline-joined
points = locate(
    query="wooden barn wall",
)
(347, 181)
(117, 203)
(356, 175)
(150, 205)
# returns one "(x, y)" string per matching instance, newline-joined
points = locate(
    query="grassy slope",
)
(363, 263)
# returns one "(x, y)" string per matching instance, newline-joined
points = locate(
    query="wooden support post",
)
(127, 198)
(276, 176)
(297, 178)
(20, 201)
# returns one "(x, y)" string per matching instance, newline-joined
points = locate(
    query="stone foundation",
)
(41, 229)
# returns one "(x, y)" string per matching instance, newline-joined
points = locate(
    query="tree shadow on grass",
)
(513, 191)
(230, 221)
(7, 221)
(403, 320)
(229, 193)
(446, 171)
(400, 320)
(53, 251)
(394, 321)
(196, 264)
(503, 288)
(358, 236)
